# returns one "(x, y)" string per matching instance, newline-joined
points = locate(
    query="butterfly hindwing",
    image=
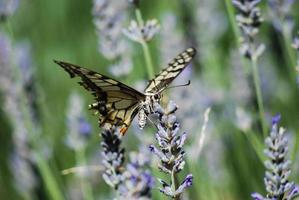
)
(166, 76)
(116, 102)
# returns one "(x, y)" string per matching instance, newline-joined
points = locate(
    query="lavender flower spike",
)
(170, 150)
(132, 181)
(295, 45)
(8, 8)
(113, 157)
(281, 15)
(109, 18)
(79, 130)
(142, 33)
(137, 181)
(278, 166)
(249, 19)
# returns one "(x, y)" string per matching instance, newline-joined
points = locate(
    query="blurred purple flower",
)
(109, 18)
(276, 119)
(280, 13)
(171, 39)
(210, 27)
(249, 20)
(78, 128)
(7, 8)
(142, 33)
(18, 110)
(24, 59)
(24, 177)
(278, 166)
(295, 45)
(84, 127)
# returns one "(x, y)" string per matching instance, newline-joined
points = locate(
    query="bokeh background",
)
(45, 126)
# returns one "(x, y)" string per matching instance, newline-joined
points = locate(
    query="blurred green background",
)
(229, 166)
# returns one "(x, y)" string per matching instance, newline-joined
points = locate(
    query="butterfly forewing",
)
(116, 102)
(166, 76)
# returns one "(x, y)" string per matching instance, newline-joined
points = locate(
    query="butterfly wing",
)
(166, 76)
(116, 102)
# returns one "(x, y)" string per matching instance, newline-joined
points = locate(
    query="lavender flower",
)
(278, 166)
(13, 93)
(137, 182)
(7, 8)
(170, 150)
(171, 38)
(142, 32)
(23, 175)
(113, 157)
(296, 47)
(132, 181)
(249, 19)
(79, 130)
(134, 2)
(210, 27)
(280, 12)
(109, 18)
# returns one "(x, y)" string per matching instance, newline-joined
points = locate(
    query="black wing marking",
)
(166, 76)
(116, 102)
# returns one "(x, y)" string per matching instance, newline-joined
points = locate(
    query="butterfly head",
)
(157, 97)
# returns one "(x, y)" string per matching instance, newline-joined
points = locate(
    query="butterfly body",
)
(118, 104)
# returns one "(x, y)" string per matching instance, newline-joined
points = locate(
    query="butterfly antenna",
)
(183, 85)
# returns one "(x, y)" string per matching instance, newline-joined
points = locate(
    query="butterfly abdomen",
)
(141, 118)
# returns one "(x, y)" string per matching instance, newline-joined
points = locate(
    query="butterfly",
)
(116, 103)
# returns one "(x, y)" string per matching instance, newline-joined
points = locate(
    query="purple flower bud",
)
(276, 119)
(150, 182)
(152, 148)
(84, 127)
(257, 196)
(188, 180)
(293, 192)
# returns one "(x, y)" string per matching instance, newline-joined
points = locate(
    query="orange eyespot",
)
(123, 130)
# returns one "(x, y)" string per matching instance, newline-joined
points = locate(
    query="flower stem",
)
(258, 91)
(48, 178)
(174, 184)
(147, 55)
(231, 16)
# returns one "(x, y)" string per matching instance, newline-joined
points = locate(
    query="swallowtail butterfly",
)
(116, 103)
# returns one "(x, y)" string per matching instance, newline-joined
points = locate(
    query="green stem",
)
(85, 186)
(174, 184)
(48, 177)
(231, 16)
(148, 60)
(147, 55)
(258, 91)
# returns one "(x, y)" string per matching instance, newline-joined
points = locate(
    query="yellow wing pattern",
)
(116, 103)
